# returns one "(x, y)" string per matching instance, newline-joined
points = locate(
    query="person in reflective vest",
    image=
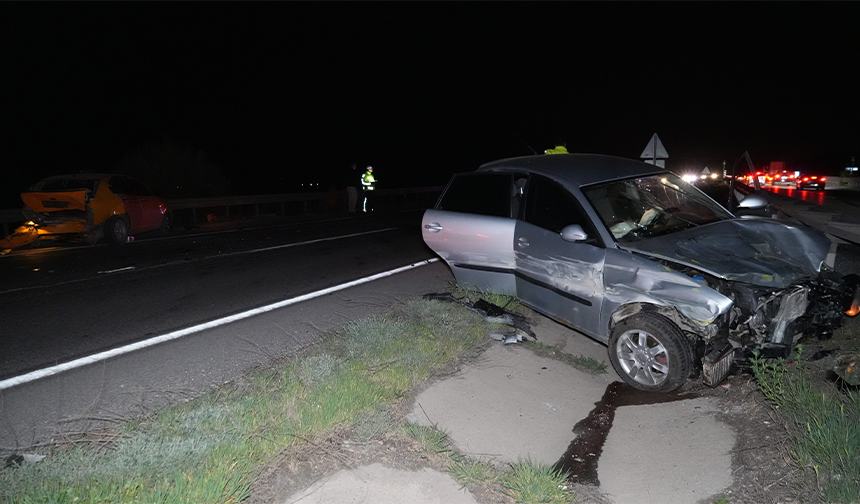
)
(368, 184)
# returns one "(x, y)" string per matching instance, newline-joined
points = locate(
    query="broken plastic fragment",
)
(16, 460)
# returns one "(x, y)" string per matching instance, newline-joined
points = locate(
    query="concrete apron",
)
(513, 405)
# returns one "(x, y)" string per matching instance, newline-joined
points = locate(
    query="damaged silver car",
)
(634, 257)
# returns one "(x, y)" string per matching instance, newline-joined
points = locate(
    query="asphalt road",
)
(62, 304)
(58, 305)
(820, 198)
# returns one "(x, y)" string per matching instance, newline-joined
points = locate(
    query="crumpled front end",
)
(730, 319)
(771, 321)
(60, 215)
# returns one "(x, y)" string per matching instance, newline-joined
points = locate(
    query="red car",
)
(87, 207)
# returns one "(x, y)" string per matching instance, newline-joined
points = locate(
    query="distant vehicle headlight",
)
(688, 178)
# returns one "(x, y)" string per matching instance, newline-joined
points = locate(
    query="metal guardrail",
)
(190, 211)
(842, 183)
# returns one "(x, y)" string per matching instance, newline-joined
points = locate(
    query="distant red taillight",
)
(823, 179)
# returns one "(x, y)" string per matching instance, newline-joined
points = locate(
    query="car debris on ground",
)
(495, 314)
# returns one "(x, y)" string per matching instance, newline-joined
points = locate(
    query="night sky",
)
(282, 93)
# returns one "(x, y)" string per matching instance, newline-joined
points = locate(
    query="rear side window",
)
(479, 193)
(70, 184)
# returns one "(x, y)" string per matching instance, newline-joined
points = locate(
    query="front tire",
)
(649, 352)
(116, 230)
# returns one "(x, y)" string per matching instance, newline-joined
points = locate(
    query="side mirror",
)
(573, 233)
(753, 202)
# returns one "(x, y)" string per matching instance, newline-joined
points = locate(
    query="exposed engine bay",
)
(771, 320)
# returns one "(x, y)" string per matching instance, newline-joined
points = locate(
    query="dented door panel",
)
(559, 278)
(630, 279)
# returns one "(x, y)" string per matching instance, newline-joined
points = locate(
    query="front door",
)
(561, 279)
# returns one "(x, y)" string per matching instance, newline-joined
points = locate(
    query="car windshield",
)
(643, 207)
(69, 185)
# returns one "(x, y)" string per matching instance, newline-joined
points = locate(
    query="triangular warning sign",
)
(706, 171)
(655, 149)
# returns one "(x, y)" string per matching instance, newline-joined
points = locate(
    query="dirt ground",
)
(761, 466)
(762, 469)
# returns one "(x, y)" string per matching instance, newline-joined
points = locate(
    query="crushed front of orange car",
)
(59, 214)
(69, 214)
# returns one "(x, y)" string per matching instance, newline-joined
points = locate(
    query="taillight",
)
(823, 179)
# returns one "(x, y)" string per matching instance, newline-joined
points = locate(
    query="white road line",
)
(127, 268)
(306, 242)
(91, 359)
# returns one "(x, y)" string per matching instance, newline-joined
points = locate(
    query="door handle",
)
(433, 227)
(522, 242)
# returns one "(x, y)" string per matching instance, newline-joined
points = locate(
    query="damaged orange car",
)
(88, 207)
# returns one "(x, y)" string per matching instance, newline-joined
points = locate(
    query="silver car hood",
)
(756, 251)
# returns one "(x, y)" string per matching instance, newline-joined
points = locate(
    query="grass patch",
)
(825, 423)
(583, 363)
(210, 450)
(529, 482)
(587, 364)
(430, 439)
(468, 471)
(526, 482)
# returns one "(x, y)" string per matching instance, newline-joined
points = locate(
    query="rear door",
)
(472, 229)
(151, 206)
(130, 202)
(140, 204)
(559, 278)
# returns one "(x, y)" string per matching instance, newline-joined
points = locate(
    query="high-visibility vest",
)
(559, 149)
(367, 181)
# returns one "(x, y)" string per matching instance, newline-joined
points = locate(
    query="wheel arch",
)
(690, 329)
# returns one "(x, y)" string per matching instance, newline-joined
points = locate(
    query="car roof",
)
(78, 176)
(580, 169)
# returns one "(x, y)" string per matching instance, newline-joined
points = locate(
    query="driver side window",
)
(552, 207)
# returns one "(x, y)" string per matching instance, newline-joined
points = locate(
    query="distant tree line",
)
(175, 171)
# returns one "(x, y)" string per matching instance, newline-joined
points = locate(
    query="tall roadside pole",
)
(655, 153)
